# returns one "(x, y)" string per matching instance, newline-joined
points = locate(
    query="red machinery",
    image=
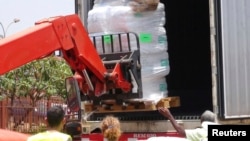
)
(67, 34)
(109, 75)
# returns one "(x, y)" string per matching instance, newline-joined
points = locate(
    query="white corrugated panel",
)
(235, 21)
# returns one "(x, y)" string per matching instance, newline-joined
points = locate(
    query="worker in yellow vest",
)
(55, 122)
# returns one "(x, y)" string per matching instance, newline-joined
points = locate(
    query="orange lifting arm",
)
(65, 33)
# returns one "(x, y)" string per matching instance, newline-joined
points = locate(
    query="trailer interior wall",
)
(188, 33)
(233, 30)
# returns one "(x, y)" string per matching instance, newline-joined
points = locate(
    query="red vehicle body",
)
(8, 135)
(129, 136)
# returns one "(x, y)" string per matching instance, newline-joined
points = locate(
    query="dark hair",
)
(208, 116)
(55, 115)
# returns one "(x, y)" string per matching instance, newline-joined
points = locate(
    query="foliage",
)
(39, 78)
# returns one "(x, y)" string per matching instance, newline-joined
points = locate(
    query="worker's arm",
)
(166, 113)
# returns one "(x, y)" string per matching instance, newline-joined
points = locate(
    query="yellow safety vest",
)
(50, 136)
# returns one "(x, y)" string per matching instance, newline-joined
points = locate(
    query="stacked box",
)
(111, 16)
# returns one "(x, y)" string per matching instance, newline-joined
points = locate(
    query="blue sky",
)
(30, 11)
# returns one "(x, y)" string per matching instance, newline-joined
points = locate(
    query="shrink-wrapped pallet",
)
(111, 16)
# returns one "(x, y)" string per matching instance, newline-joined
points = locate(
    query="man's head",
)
(55, 116)
(208, 116)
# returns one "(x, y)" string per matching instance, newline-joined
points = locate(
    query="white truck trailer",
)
(208, 51)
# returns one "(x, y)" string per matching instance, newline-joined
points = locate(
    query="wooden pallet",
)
(133, 106)
(169, 102)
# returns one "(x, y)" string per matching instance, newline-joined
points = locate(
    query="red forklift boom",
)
(67, 34)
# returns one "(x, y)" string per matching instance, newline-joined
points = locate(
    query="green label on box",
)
(138, 14)
(107, 39)
(162, 39)
(145, 38)
(164, 62)
(163, 87)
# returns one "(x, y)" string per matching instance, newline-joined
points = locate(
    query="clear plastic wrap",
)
(154, 89)
(111, 16)
(152, 40)
(102, 3)
(108, 19)
(136, 5)
(155, 65)
(122, 18)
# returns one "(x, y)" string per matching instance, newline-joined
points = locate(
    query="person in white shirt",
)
(197, 134)
(167, 139)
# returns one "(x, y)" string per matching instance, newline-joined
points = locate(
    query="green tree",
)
(37, 79)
